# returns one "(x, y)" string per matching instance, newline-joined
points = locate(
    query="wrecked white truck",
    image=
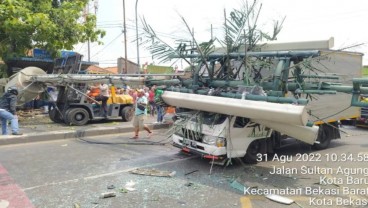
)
(220, 118)
(296, 99)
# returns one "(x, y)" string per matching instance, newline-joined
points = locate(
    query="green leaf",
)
(52, 24)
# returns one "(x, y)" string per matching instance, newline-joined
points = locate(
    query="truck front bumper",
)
(197, 147)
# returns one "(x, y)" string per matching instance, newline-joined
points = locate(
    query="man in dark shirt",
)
(8, 111)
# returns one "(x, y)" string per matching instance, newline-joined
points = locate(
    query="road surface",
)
(77, 172)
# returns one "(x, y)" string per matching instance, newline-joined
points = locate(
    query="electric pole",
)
(125, 70)
(136, 31)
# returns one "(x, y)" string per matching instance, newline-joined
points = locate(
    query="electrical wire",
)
(139, 142)
(322, 119)
(136, 142)
(107, 45)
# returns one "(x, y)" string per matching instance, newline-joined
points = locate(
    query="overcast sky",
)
(344, 20)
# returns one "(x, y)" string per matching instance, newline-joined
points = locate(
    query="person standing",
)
(140, 111)
(159, 109)
(103, 97)
(8, 104)
(160, 113)
(132, 93)
(151, 100)
(53, 94)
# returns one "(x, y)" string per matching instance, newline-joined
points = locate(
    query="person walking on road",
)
(140, 111)
(8, 104)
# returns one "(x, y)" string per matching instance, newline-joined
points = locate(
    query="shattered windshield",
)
(209, 118)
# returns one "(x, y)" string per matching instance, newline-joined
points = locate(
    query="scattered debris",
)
(64, 145)
(129, 186)
(298, 204)
(220, 162)
(123, 190)
(110, 187)
(153, 172)
(322, 184)
(108, 195)
(258, 175)
(76, 205)
(190, 172)
(238, 186)
(182, 203)
(280, 199)
(189, 184)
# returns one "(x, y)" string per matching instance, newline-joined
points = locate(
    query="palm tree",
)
(241, 32)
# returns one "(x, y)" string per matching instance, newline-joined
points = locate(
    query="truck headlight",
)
(220, 142)
(212, 140)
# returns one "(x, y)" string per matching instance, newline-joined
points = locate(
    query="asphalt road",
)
(75, 172)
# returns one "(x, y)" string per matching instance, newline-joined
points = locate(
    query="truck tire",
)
(66, 120)
(253, 149)
(323, 139)
(78, 116)
(55, 116)
(127, 113)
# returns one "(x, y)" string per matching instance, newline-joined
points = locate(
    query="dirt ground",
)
(33, 117)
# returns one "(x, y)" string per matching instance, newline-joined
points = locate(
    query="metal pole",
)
(125, 71)
(88, 42)
(136, 30)
(89, 50)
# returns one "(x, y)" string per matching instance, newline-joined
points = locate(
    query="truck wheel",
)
(66, 120)
(127, 113)
(323, 139)
(78, 116)
(55, 116)
(253, 149)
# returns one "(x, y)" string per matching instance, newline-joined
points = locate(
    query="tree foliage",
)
(51, 25)
(240, 29)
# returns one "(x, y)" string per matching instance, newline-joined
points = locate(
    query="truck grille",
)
(192, 135)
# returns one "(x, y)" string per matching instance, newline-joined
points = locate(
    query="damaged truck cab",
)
(218, 136)
(295, 103)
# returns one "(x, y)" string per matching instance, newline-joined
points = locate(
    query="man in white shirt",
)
(103, 97)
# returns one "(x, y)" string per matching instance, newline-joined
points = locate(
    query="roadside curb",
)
(70, 134)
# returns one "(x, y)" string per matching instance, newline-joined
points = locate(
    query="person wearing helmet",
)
(8, 104)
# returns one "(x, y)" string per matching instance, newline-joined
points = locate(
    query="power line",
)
(107, 45)
(132, 27)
